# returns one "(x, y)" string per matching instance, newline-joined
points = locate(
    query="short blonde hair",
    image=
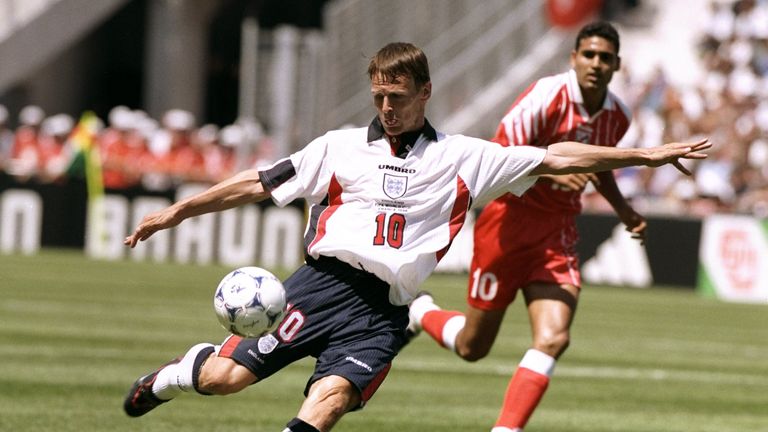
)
(400, 59)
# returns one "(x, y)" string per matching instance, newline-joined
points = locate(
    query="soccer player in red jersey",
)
(528, 242)
(385, 203)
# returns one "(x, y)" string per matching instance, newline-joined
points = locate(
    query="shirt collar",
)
(578, 98)
(376, 131)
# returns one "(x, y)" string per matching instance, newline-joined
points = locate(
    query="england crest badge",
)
(395, 186)
(267, 344)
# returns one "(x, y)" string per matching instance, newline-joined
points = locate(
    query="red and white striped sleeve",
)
(536, 113)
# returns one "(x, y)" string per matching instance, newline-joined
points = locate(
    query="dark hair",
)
(400, 59)
(602, 29)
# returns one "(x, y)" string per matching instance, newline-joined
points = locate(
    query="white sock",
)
(420, 306)
(505, 429)
(451, 330)
(174, 379)
(538, 362)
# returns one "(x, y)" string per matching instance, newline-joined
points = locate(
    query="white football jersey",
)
(395, 216)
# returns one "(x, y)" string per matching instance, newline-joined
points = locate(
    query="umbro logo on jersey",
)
(395, 186)
(397, 169)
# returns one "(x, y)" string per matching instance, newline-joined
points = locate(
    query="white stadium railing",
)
(470, 46)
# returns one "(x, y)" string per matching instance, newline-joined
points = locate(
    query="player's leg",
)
(476, 339)
(352, 329)
(347, 376)
(223, 376)
(551, 308)
(349, 371)
(491, 288)
(200, 370)
(470, 335)
(187, 373)
(328, 399)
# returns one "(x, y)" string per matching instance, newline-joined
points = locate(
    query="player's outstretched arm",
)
(243, 188)
(573, 157)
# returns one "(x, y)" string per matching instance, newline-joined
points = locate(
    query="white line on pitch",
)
(606, 372)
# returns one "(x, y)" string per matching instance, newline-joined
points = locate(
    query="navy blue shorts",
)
(339, 315)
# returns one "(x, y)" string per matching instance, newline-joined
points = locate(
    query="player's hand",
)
(635, 223)
(572, 182)
(673, 152)
(152, 223)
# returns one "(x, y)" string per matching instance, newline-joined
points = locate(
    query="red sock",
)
(524, 392)
(434, 321)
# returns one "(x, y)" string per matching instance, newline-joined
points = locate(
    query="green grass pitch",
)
(75, 333)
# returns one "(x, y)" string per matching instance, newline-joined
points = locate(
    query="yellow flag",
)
(83, 139)
(84, 143)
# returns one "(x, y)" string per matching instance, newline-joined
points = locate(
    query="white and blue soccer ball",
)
(250, 302)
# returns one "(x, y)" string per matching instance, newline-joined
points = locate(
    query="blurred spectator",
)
(221, 156)
(123, 150)
(32, 116)
(176, 158)
(718, 26)
(728, 106)
(24, 153)
(207, 140)
(136, 151)
(53, 155)
(6, 138)
(258, 149)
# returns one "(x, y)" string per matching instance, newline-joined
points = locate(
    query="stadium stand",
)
(479, 72)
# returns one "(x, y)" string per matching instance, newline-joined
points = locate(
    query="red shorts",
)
(514, 248)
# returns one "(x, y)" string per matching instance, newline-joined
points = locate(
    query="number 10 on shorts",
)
(484, 285)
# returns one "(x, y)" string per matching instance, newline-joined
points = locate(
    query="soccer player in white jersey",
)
(385, 202)
(528, 242)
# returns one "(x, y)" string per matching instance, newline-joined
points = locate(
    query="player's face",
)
(595, 62)
(400, 103)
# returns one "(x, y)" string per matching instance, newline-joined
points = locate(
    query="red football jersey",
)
(551, 110)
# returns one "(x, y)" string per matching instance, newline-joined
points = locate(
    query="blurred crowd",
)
(135, 151)
(729, 105)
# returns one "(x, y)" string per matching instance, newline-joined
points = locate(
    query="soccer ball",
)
(249, 302)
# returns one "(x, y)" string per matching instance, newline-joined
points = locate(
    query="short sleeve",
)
(492, 170)
(310, 175)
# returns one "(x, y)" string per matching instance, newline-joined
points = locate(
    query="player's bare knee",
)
(553, 344)
(335, 403)
(473, 351)
(219, 384)
(219, 381)
(335, 397)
